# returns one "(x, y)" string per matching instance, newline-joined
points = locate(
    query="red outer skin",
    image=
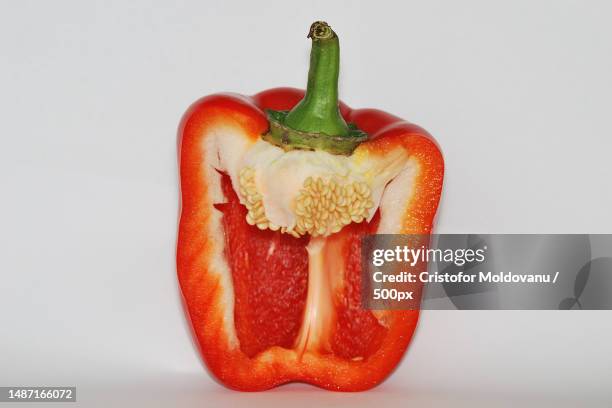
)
(201, 289)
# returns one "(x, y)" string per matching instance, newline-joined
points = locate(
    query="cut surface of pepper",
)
(268, 253)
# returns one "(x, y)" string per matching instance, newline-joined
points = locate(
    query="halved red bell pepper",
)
(270, 304)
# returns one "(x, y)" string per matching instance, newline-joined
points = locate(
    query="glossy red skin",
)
(203, 290)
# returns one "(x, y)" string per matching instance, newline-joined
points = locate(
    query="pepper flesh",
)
(213, 300)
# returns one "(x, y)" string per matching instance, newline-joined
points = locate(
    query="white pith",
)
(311, 192)
(279, 177)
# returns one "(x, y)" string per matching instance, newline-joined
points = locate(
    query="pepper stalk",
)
(315, 123)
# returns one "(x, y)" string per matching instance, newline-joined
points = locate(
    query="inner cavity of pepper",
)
(300, 288)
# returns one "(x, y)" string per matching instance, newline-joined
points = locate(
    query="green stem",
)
(315, 122)
(318, 111)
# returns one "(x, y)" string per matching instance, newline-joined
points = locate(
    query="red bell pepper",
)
(271, 299)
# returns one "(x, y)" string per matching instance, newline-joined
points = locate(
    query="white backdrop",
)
(518, 94)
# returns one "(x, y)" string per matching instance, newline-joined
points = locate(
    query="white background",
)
(518, 94)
